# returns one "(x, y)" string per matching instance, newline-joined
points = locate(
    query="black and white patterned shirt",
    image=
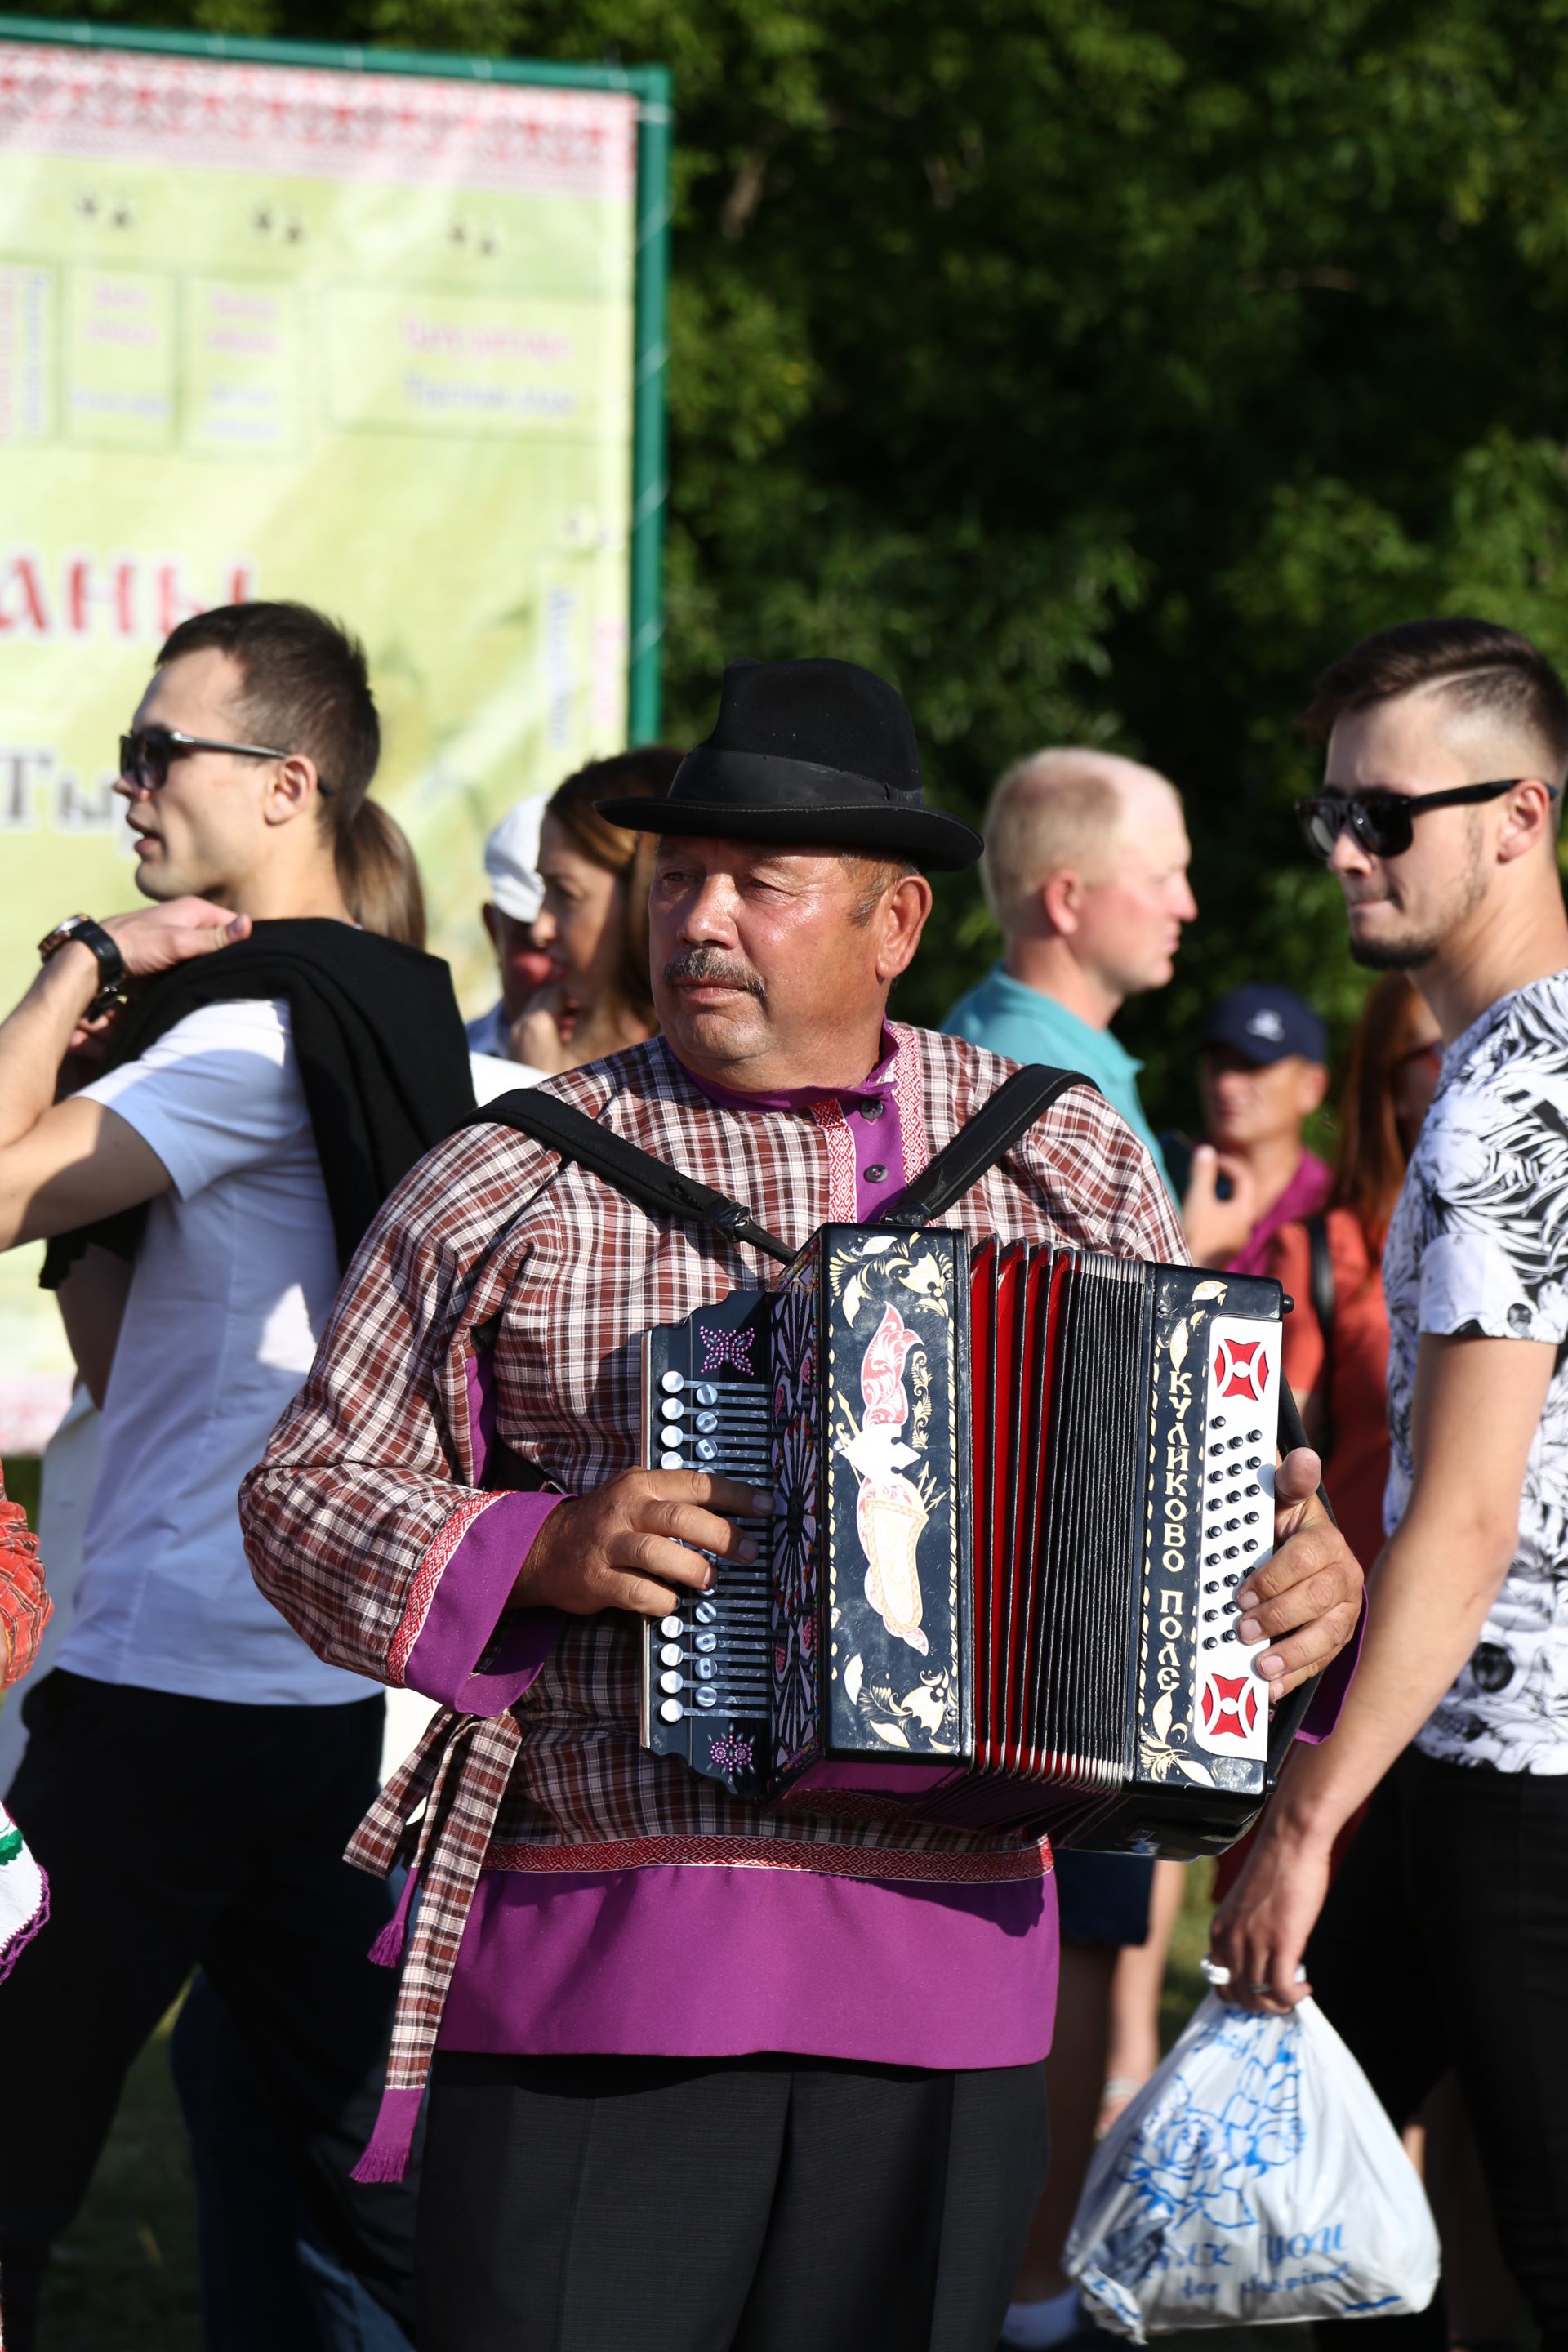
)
(1479, 1248)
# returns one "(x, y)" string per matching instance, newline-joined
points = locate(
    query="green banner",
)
(383, 334)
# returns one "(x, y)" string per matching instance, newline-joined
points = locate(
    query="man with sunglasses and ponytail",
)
(1443, 1942)
(270, 1064)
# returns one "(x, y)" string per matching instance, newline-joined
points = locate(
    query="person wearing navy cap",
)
(1262, 1071)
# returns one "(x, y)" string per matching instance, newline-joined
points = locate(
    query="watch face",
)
(60, 934)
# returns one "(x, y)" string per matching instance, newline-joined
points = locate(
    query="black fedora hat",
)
(807, 751)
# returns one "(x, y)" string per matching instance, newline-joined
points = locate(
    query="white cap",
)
(510, 856)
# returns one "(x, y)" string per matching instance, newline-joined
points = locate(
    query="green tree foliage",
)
(1097, 369)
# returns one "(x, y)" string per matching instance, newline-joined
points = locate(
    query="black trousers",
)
(178, 1831)
(765, 2204)
(1444, 1943)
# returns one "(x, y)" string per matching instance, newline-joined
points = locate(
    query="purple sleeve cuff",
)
(1335, 1681)
(467, 1606)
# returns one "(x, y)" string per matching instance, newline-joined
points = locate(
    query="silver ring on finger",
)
(1261, 1988)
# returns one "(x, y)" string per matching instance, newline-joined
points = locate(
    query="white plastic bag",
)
(1254, 2177)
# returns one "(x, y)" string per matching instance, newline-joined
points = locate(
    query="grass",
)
(1184, 1986)
(125, 2273)
(22, 1473)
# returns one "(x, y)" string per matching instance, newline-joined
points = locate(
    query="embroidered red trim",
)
(909, 1095)
(829, 1860)
(841, 1187)
(427, 1576)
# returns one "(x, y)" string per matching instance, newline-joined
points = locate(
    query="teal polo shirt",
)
(1008, 1017)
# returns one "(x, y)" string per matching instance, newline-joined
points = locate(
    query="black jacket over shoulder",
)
(381, 1049)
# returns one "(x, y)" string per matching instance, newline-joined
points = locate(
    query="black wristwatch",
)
(111, 962)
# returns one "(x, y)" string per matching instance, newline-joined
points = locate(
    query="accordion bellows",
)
(1017, 1488)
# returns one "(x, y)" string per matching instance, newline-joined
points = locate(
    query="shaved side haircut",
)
(1054, 810)
(1484, 671)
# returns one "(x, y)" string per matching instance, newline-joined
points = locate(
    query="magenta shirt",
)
(1304, 1195)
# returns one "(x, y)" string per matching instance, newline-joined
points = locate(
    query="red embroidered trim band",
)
(427, 1576)
(832, 1861)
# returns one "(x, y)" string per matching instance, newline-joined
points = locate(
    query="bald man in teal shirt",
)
(1086, 871)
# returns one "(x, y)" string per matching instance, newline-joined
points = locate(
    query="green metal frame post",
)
(650, 483)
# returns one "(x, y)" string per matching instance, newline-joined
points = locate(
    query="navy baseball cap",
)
(1266, 1024)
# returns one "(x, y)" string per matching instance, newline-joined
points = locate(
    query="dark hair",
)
(1370, 1161)
(1481, 665)
(645, 773)
(305, 687)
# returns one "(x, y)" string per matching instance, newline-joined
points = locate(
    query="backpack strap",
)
(1321, 1274)
(995, 1129)
(1320, 1289)
(546, 1119)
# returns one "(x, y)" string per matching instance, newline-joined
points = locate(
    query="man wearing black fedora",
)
(704, 2072)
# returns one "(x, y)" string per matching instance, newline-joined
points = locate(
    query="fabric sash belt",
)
(459, 1773)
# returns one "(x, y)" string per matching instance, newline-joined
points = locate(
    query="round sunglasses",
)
(147, 753)
(1384, 821)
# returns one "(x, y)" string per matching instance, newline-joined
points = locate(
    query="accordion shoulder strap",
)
(637, 1173)
(995, 1129)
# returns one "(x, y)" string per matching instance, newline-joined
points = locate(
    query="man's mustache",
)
(706, 963)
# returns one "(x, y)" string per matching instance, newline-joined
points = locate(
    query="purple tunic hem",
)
(717, 1961)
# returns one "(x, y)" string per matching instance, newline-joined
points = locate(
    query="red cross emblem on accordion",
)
(1229, 1706)
(1241, 1368)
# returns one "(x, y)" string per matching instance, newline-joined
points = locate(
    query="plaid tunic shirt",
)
(25, 1608)
(370, 1496)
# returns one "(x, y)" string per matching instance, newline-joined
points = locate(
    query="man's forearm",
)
(35, 1038)
(1428, 1602)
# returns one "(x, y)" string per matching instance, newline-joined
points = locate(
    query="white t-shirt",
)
(233, 1281)
(1478, 1247)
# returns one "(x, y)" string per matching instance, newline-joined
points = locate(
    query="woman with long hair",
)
(1336, 1340)
(593, 922)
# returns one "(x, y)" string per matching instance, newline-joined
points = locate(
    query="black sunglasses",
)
(1383, 821)
(147, 753)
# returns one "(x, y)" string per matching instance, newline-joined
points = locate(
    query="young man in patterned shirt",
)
(1444, 1941)
(708, 2071)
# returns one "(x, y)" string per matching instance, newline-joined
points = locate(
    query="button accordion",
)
(1017, 1488)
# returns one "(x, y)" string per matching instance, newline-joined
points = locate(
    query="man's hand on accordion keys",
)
(630, 1543)
(1305, 1603)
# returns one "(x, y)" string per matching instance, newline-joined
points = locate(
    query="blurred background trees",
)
(1096, 369)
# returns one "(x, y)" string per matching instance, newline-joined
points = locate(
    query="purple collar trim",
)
(878, 1082)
